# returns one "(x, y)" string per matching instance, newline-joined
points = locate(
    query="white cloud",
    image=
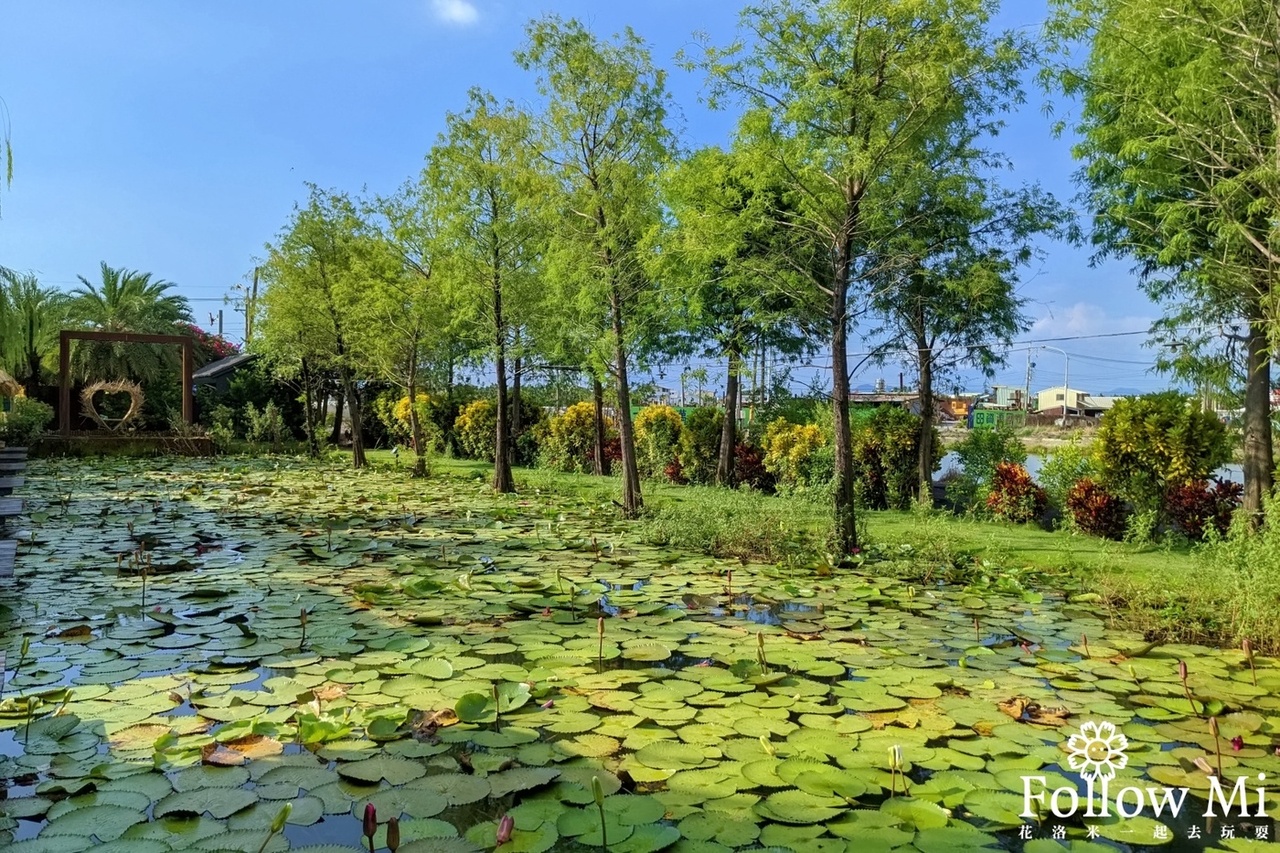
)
(459, 13)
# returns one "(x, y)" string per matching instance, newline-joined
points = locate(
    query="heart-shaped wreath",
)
(133, 389)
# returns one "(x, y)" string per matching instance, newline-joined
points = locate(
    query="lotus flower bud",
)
(600, 627)
(1182, 670)
(505, 827)
(393, 834)
(597, 791)
(895, 757)
(281, 818)
(1248, 649)
(1213, 726)
(768, 747)
(370, 821)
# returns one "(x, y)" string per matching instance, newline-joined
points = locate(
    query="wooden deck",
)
(8, 484)
(8, 551)
(12, 467)
(10, 508)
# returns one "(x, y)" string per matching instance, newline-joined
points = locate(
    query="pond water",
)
(951, 462)
(301, 634)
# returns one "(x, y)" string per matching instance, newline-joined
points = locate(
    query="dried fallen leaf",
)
(219, 756)
(256, 746)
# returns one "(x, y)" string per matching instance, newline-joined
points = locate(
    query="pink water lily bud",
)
(505, 827)
(1182, 670)
(550, 703)
(370, 820)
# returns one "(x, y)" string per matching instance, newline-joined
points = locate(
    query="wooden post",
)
(64, 384)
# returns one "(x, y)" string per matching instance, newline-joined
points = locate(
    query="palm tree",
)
(30, 319)
(126, 301)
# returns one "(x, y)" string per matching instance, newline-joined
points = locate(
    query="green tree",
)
(603, 132)
(1180, 140)
(314, 282)
(405, 322)
(724, 247)
(490, 200)
(944, 280)
(838, 95)
(30, 318)
(126, 301)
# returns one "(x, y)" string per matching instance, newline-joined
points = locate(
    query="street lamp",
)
(1066, 380)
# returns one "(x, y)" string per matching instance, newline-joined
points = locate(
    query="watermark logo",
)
(1097, 751)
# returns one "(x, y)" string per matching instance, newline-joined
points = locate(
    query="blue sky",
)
(175, 137)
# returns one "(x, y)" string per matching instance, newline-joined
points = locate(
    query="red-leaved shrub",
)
(1097, 511)
(1193, 507)
(674, 472)
(748, 468)
(1014, 495)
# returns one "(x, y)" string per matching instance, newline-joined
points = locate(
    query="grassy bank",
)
(1169, 592)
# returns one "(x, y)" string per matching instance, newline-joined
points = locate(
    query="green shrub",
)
(658, 429)
(1147, 445)
(1242, 572)
(700, 445)
(222, 426)
(25, 421)
(1062, 469)
(476, 428)
(981, 451)
(886, 450)
(740, 523)
(266, 426)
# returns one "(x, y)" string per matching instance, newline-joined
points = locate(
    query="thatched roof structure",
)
(10, 387)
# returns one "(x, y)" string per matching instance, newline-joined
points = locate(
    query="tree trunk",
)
(335, 435)
(846, 528)
(926, 424)
(924, 353)
(415, 426)
(632, 502)
(502, 439)
(602, 465)
(313, 448)
(725, 467)
(516, 422)
(1258, 453)
(353, 408)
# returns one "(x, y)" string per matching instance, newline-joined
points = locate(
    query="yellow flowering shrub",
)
(789, 450)
(658, 430)
(476, 429)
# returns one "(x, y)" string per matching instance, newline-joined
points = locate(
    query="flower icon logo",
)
(1097, 751)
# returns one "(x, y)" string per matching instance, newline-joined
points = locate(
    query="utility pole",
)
(249, 309)
(1026, 399)
(219, 322)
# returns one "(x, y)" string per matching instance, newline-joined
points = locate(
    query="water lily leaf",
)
(520, 779)
(670, 755)
(917, 813)
(794, 806)
(388, 768)
(218, 802)
(103, 822)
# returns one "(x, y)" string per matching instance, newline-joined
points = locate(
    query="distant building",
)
(1072, 401)
(909, 400)
(1007, 397)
